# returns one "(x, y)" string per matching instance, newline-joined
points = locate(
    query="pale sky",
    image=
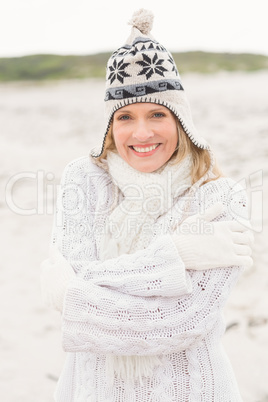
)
(87, 26)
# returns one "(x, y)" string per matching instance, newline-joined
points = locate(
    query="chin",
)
(145, 168)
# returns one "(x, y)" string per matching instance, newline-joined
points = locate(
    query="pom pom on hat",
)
(143, 21)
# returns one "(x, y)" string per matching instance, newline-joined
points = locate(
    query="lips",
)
(144, 150)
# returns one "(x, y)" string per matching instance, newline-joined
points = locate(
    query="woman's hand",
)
(56, 273)
(203, 244)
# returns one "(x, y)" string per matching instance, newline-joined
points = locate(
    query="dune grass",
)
(55, 67)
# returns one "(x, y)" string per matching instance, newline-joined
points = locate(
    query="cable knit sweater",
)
(140, 304)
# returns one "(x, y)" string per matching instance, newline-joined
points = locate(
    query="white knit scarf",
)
(147, 196)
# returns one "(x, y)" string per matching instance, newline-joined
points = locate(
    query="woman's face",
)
(145, 135)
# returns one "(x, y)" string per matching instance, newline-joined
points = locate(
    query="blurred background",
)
(53, 56)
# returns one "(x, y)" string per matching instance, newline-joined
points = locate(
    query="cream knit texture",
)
(129, 228)
(136, 304)
(146, 197)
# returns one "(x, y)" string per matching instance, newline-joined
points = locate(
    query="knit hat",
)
(144, 71)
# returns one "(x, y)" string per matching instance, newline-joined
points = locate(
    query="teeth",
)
(147, 149)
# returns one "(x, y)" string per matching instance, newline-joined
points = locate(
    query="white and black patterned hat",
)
(144, 71)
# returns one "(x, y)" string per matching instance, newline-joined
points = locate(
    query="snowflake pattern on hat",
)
(151, 66)
(174, 68)
(117, 71)
(141, 67)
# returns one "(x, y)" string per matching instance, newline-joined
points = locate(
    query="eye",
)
(159, 114)
(123, 117)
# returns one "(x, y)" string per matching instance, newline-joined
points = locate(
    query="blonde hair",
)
(202, 158)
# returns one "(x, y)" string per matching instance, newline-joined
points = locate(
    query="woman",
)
(147, 245)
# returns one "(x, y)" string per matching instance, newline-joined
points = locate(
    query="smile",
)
(145, 149)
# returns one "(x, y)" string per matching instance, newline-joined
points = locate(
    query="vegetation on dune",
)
(205, 62)
(49, 67)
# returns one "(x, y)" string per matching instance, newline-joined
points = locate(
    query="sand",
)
(43, 127)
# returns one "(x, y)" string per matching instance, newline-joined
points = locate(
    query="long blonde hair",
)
(202, 158)
(203, 161)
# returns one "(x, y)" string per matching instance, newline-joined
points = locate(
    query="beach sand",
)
(44, 126)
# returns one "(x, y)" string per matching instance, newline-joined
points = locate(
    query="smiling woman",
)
(142, 295)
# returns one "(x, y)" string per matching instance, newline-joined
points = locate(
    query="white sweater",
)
(143, 303)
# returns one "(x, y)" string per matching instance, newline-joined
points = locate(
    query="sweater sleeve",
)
(155, 271)
(102, 319)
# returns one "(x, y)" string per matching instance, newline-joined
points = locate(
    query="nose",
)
(142, 131)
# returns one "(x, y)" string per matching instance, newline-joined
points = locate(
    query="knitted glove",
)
(220, 245)
(56, 273)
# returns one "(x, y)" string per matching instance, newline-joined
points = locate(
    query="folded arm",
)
(117, 306)
(103, 320)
